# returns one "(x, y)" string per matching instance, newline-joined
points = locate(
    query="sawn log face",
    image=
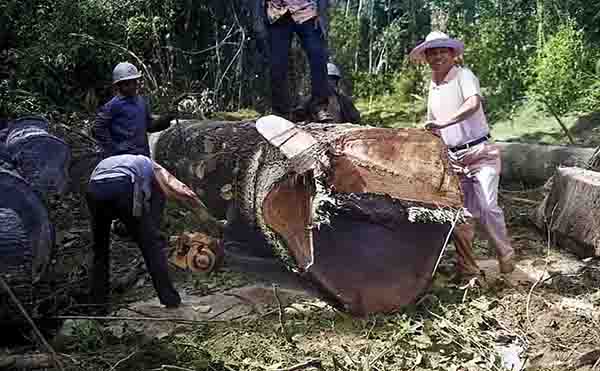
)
(343, 223)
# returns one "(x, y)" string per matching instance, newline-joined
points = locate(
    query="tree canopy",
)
(63, 51)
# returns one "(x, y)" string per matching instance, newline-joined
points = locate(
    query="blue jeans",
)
(314, 45)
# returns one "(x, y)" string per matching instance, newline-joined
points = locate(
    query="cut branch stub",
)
(344, 222)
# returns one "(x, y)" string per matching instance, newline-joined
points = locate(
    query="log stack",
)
(33, 165)
(42, 158)
(365, 219)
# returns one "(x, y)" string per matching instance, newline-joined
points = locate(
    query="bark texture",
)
(26, 237)
(41, 158)
(345, 223)
(571, 211)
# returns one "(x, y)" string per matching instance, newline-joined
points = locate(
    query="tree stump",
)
(366, 223)
(533, 164)
(571, 211)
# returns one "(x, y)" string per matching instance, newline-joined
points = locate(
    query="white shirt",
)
(445, 100)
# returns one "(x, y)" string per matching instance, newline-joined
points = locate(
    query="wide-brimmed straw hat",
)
(436, 39)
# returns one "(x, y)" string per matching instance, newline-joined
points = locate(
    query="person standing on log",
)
(455, 113)
(122, 124)
(308, 19)
(124, 187)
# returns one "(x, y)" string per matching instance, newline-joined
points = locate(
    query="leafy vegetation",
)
(65, 51)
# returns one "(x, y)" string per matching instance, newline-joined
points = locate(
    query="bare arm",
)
(468, 108)
(178, 191)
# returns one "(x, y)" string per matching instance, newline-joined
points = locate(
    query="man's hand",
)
(434, 127)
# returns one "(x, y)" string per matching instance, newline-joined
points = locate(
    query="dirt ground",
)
(254, 315)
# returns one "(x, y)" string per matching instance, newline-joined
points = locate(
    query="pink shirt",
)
(300, 10)
(445, 100)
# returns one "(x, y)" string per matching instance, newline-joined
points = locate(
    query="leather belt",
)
(471, 144)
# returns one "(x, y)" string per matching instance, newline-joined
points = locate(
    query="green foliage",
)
(368, 84)
(590, 98)
(18, 102)
(498, 45)
(344, 38)
(397, 103)
(559, 73)
(87, 336)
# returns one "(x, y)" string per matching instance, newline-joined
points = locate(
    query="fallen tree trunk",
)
(533, 164)
(41, 158)
(345, 223)
(571, 211)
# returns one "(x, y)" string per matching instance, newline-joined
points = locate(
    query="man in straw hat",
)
(455, 113)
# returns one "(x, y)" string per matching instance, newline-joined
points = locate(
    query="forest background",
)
(57, 55)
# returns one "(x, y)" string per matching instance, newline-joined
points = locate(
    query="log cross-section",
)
(341, 218)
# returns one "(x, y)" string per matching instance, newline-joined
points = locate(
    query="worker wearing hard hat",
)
(122, 124)
(455, 113)
(340, 105)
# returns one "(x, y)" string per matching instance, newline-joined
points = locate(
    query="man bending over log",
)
(455, 113)
(122, 124)
(132, 188)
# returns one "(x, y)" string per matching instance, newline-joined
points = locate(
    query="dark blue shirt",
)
(121, 126)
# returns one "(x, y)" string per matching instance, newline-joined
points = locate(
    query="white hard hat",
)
(125, 71)
(332, 70)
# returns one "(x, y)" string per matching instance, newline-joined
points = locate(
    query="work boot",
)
(506, 263)
(323, 115)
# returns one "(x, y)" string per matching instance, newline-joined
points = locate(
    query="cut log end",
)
(571, 210)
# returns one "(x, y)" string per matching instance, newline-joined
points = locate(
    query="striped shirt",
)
(300, 10)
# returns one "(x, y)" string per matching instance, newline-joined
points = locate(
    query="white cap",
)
(125, 71)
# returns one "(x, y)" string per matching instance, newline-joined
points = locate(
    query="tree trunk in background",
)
(344, 224)
(533, 164)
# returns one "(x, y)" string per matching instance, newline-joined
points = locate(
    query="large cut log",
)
(41, 158)
(26, 237)
(533, 164)
(344, 220)
(571, 211)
